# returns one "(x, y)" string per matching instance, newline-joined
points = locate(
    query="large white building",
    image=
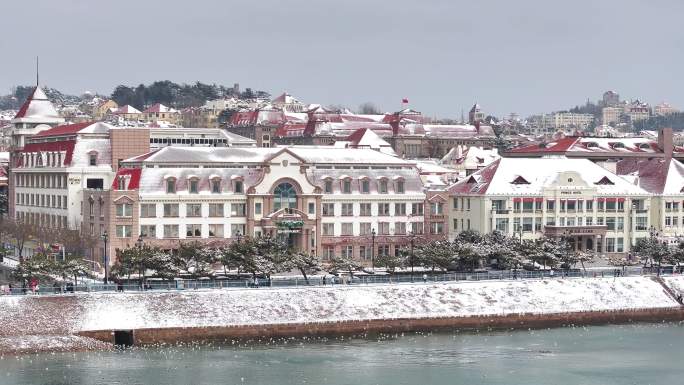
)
(572, 120)
(324, 200)
(552, 196)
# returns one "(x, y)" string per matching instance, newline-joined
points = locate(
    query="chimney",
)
(665, 141)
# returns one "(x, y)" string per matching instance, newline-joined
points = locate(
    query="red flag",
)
(404, 101)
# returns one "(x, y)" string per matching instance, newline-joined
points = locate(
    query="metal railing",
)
(281, 282)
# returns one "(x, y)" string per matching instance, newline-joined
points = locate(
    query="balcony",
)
(501, 211)
(640, 211)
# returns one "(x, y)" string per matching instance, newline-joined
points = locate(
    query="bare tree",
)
(369, 108)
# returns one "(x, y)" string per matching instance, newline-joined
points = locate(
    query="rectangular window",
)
(216, 230)
(347, 229)
(501, 225)
(610, 245)
(238, 189)
(675, 221)
(123, 231)
(364, 252)
(590, 205)
(599, 221)
(193, 210)
(194, 186)
(257, 208)
(589, 221)
(437, 227)
(516, 225)
(383, 228)
(620, 245)
(383, 250)
(399, 228)
(193, 231)
(328, 187)
(348, 251)
(312, 208)
(621, 223)
(400, 187)
(550, 205)
(170, 210)
(365, 209)
(148, 231)
(365, 228)
(365, 186)
(347, 209)
(527, 224)
(216, 210)
(571, 206)
(467, 204)
(537, 224)
(237, 209)
(346, 186)
(329, 229)
(382, 186)
(641, 223)
(436, 208)
(383, 209)
(170, 231)
(215, 186)
(328, 209)
(455, 204)
(417, 227)
(668, 221)
(400, 209)
(170, 186)
(148, 210)
(416, 209)
(123, 210)
(237, 229)
(610, 223)
(610, 205)
(329, 252)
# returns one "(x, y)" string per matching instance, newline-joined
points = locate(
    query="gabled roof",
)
(558, 146)
(133, 173)
(127, 109)
(657, 176)
(38, 107)
(73, 129)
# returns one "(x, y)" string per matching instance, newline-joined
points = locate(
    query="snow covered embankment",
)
(307, 305)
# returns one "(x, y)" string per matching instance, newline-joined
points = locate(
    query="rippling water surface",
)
(629, 354)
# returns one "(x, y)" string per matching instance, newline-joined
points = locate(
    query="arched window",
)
(284, 196)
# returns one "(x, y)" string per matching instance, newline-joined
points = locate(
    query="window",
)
(123, 231)
(170, 210)
(122, 210)
(238, 187)
(312, 208)
(193, 210)
(537, 224)
(417, 227)
(284, 196)
(383, 209)
(502, 225)
(170, 186)
(610, 205)
(257, 208)
(216, 230)
(348, 251)
(329, 229)
(527, 224)
(170, 231)
(436, 208)
(148, 231)
(193, 231)
(194, 186)
(328, 209)
(237, 229)
(437, 228)
(516, 225)
(610, 223)
(365, 228)
(346, 186)
(400, 209)
(588, 221)
(365, 252)
(399, 188)
(668, 221)
(382, 186)
(641, 224)
(383, 250)
(365, 209)
(347, 229)
(92, 159)
(329, 252)
(365, 186)
(328, 187)
(216, 210)
(621, 223)
(399, 228)
(620, 245)
(571, 205)
(610, 245)
(347, 209)
(237, 209)
(383, 228)
(455, 205)
(215, 186)
(416, 209)
(590, 205)
(550, 205)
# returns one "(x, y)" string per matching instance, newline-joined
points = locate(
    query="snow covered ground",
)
(676, 283)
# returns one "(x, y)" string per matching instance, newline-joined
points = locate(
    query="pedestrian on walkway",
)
(424, 278)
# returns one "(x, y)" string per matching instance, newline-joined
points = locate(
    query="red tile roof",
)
(25, 106)
(134, 173)
(652, 173)
(63, 145)
(67, 129)
(477, 183)
(560, 145)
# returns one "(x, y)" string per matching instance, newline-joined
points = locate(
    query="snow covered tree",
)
(344, 264)
(435, 255)
(549, 251)
(652, 250)
(392, 261)
(583, 257)
(306, 263)
(194, 260)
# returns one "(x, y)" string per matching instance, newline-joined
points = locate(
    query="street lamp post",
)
(373, 250)
(105, 237)
(139, 245)
(413, 236)
(237, 235)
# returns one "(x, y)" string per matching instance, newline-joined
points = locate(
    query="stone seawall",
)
(150, 336)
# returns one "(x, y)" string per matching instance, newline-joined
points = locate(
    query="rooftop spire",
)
(37, 73)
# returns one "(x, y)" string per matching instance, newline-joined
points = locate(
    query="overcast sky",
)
(524, 56)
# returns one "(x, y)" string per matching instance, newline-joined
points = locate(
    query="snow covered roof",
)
(657, 176)
(158, 107)
(37, 109)
(593, 145)
(285, 98)
(366, 138)
(127, 109)
(412, 182)
(152, 179)
(531, 176)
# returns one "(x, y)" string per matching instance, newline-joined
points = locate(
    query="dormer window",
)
(520, 180)
(216, 186)
(92, 159)
(604, 181)
(238, 187)
(328, 188)
(399, 187)
(194, 186)
(365, 186)
(346, 186)
(592, 144)
(382, 186)
(617, 145)
(171, 186)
